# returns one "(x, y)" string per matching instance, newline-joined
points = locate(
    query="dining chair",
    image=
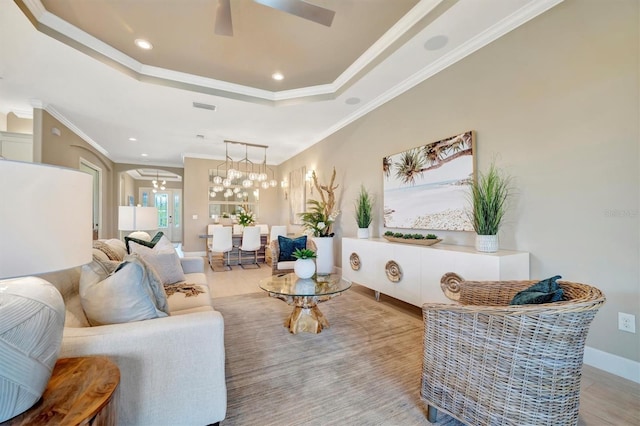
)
(210, 228)
(277, 230)
(250, 242)
(264, 228)
(222, 243)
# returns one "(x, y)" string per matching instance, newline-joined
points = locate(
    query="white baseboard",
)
(613, 364)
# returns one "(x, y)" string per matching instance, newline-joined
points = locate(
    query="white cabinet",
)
(422, 267)
(16, 146)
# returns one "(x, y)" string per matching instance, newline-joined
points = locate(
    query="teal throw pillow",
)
(289, 245)
(545, 291)
(150, 244)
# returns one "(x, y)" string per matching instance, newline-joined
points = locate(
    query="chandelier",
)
(233, 177)
(157, 185)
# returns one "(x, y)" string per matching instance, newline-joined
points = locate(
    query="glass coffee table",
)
(304, 295)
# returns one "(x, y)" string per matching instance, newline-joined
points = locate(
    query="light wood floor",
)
(605, 399)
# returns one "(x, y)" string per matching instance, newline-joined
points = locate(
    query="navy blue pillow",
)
(150, 244)
(545, 291)
(289, 245)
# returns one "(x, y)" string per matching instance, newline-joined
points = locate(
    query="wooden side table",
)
(81, 391)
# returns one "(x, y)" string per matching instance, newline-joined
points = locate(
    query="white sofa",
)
(172, 369)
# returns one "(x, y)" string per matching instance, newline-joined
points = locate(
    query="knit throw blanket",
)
(188, 289)
(104, 247)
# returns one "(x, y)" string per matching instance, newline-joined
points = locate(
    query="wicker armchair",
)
(485, 362)
(284, 267)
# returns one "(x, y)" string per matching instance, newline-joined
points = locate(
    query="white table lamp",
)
(45, 226)
(137, 219)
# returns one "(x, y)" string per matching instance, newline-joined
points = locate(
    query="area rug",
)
(363, 370)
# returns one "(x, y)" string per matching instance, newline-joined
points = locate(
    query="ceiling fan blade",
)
(223, 25)
(302, 9)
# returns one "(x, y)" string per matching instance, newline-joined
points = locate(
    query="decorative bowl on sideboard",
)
(422, 242)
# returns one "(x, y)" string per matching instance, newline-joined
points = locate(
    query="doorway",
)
(96, 173)
(137, 186)
(169, 205)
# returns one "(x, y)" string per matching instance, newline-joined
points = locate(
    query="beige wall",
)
(127, 189)
(67, 150)
(12, 123)
(196, 202)
(19, 125)
(556, 103)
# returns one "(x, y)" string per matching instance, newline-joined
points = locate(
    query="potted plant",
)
(318, 222)
(364, 212)
(488, 198)
(245, 218)
(304, 266)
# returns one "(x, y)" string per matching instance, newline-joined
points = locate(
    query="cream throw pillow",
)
(163, 258)
(133, 292)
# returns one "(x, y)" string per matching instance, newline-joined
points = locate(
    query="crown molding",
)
(86, 43)
(489, 35)
(419, 11)
(75, 129)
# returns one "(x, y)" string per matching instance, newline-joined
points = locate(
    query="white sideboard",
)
(423, 266)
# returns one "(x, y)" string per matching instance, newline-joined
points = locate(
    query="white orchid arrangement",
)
(245, 218)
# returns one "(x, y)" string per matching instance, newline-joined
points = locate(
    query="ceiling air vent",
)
(204, 106)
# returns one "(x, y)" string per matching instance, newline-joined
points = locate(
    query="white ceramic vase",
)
(324, 255)
(363, 232)
(487, 243)
(305, 287)
(304, 268)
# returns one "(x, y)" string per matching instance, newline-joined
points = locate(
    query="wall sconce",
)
(309, 178)
(284, 184)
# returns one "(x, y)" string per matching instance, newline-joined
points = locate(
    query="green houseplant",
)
(363, 212)
(318, 222)
(304, 254)
(489, 195)
(304, 267)
(245, 218)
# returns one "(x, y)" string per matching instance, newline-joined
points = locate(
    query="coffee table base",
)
(309, 319)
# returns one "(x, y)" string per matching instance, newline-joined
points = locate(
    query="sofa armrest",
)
(192, 264)
(172, 369)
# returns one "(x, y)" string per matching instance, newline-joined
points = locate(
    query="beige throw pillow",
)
(163, 258)
(132, 292)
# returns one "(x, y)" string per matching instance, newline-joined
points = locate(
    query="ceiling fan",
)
(300, 8)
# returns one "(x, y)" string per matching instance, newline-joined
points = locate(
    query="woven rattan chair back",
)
(486, 362)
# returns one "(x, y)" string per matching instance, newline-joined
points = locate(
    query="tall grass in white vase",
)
(488, 198)
(363, 212)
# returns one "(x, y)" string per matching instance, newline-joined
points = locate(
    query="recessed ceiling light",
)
(277, 76)
(143, 44)
(132, 139)
(145, 155)
(352, 101)
(436, 42)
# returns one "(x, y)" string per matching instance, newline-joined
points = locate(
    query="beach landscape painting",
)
(428, 187)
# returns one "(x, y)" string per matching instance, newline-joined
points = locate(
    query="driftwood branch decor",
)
(327, 192)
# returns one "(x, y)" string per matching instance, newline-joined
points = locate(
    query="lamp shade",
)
(45, 226)
(132, 218)
(45, 218)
